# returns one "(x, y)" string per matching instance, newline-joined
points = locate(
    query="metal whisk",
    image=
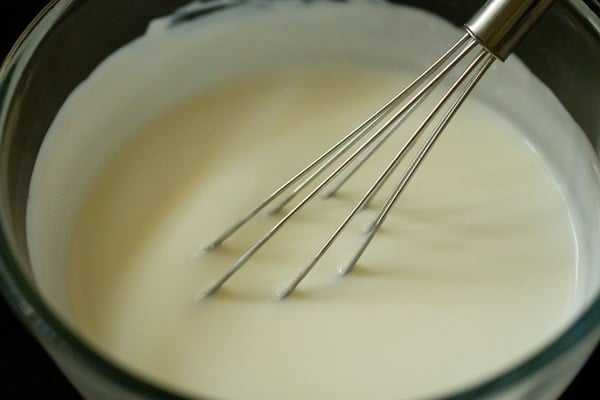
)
(491, 34)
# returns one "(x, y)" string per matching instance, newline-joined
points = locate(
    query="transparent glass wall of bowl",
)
(70, 41)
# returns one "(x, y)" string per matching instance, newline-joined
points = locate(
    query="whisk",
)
(491, 34)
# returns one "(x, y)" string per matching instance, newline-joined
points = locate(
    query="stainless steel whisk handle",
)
(501, 24)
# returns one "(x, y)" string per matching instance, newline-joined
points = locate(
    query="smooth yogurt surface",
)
(478, 266)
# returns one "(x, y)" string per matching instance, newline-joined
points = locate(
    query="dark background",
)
(25, 370)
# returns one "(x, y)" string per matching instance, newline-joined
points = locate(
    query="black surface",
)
(26, 372)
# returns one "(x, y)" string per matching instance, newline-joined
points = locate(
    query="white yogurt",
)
(479, 265)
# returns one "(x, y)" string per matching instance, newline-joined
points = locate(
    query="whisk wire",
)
(407, 101)
(465, 42)
(390, 125)
(343, 143)
(483, 61)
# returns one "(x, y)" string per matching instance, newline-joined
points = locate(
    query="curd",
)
(476, 268)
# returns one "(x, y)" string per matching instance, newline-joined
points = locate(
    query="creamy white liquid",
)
(476, 268)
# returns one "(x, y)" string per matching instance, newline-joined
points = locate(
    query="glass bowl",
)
(63, 45)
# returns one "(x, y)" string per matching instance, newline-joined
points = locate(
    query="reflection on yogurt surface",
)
(478, 267)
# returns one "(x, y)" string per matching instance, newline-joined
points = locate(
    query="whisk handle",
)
(500, 24)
